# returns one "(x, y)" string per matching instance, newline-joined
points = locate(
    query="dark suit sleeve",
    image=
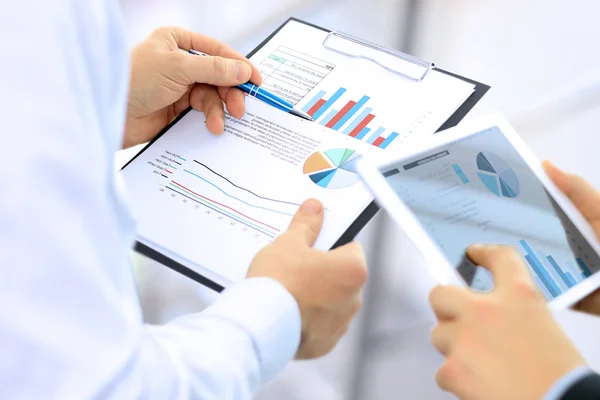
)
(587, 388)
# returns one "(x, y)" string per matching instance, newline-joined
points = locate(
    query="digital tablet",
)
(480, 183)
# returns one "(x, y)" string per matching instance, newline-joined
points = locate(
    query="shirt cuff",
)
(271, 317)
(560, 388)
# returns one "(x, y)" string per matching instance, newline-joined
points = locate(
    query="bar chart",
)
(555, 277)
(353, 117)
(460, 173)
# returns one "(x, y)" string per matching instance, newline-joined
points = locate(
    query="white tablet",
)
(480, 183)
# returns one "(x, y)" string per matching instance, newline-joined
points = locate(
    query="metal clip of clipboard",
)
(394, 61)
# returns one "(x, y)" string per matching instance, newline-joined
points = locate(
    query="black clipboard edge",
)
(364, 217)
(480, 91)
(174, 265)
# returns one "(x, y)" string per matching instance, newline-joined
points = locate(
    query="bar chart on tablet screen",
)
(202, 188)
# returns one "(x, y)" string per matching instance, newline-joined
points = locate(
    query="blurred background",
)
(541, 59)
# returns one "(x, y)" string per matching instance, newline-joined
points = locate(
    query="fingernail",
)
(311, 207)
(242, 71)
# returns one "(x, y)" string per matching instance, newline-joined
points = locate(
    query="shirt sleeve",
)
(558, 390)
(229, 350)
(70, 320)
(586, 388)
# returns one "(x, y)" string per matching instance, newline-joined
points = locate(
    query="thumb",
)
(505, 264)
(306, 224)
(214, 70)
(582, 194)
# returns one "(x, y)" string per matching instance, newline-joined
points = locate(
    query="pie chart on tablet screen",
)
(333, 168)
(497, 175)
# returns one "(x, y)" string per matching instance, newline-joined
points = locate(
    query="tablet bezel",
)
(438, 265)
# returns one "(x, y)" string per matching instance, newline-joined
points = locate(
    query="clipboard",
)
(405, 65)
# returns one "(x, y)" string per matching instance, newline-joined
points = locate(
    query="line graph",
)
(238, 199)
(220, 212)
(223, 209)
(197, 184)
(244, 189)
(223, 205)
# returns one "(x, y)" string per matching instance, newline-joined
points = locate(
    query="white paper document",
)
(212, 202)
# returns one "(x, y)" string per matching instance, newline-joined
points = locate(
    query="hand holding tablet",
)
(587, 200)
(479, 183)
(504, 344)
(510, 330)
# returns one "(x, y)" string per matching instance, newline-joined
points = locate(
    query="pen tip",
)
(301, 114)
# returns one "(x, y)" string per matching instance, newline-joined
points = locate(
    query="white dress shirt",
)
(70, 320)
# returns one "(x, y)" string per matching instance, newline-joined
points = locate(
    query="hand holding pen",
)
(265, 96)
(168, 81)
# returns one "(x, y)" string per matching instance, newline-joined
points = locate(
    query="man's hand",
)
(166, 81)
(503, 344)
(587, 201)
(326, 285)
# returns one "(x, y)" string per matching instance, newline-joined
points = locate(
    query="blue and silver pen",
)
(264, 95)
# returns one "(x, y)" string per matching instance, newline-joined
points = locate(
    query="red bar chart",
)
(315, 107)
(340, 114)
(355, 118)
(378, 141)
(362, 124)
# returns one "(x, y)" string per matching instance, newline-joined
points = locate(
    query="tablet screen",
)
(480, 190)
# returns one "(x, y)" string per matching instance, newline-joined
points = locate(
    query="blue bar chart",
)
(357, 120)
(559, 271)
(350, 117)
(460, 173)
(323, 107)
(313, 101)
(555, 277)
(353, 110)
(584, 269)
(328, 117)
(363, 133)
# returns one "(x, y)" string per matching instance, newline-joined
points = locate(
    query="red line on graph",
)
(314, 108)
(223, 205)
(378, 141)
(168, 171)
(362, 124)
(340, 114)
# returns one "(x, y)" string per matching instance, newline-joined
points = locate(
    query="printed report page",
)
(215, 201)
(212, 202)
(353, 96)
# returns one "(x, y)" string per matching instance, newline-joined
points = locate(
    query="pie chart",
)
(333, 168)
(497, 175)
